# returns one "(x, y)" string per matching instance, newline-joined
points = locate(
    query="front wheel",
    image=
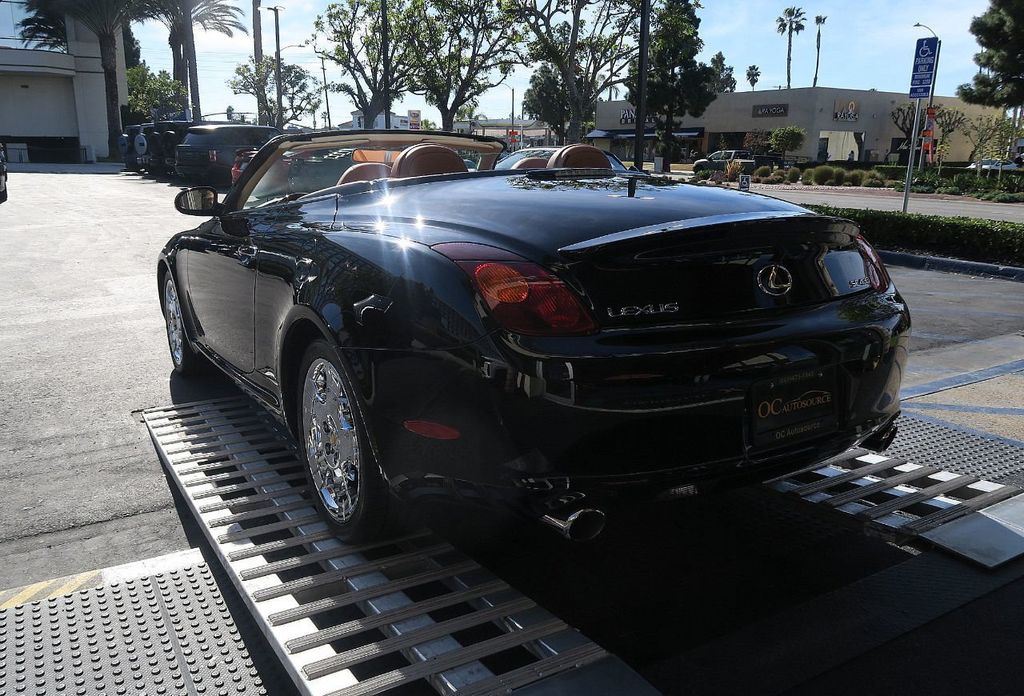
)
(347, 485)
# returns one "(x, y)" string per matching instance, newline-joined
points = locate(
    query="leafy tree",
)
(301, 93)
(786, 139)
(1000, 33)
(753, 75)
(819, 20)
(467, 111)
(211, 15)
(949, 121)
(756, 141)
(589, 42)
(354, 29)
(104, 18)
(724, 81)
(985, 134)
(547, 99)
(903, 118)
(132, 50)
(676, 83)
(427, 124)
(148, 91)
(790, 22)
(462, 49)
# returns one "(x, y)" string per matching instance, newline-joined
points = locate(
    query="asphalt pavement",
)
(83, 350)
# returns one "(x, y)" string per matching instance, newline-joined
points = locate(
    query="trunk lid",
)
(715, 267)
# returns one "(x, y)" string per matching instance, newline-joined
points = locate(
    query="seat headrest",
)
(531, 163)
(578, 157)
(365, 171)
(426, 159)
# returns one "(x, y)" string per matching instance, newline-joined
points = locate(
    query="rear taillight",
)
(877, 274)
(521, 296)
(212, 155)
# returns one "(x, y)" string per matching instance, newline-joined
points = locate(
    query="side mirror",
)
(199, 200)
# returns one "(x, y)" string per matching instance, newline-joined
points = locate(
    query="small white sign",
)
(744, 182)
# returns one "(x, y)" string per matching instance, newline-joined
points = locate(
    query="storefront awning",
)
(629, 133)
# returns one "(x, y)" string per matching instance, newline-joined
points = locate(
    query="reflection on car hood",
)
(521, 213)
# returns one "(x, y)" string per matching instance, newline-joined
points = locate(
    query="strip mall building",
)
(837, 122)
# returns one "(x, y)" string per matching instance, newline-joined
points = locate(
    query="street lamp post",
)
(276, 9)
(935, 74)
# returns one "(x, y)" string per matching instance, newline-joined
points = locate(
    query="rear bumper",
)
(639, 425)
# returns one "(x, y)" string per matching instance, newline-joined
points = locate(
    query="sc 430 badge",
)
(637, 311)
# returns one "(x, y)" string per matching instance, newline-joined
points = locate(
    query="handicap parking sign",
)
(926, 58)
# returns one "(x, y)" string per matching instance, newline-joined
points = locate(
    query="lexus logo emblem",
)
(775, 280)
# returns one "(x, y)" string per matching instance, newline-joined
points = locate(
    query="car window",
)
(715, 155)
(299, 172)
(229, 137)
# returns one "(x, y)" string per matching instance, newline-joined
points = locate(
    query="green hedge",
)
(989, 241)
(892, 171)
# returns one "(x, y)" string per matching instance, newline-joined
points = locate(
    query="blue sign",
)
(926, 57)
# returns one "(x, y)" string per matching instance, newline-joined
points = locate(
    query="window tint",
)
(230, 137)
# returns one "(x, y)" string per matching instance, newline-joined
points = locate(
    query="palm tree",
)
(211, 15)
(819, 20)
(790, 22)
(103, 18)
(753, 75)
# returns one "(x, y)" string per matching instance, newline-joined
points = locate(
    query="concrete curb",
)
(937, 263)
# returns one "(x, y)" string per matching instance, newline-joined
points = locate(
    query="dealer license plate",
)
(793, 406)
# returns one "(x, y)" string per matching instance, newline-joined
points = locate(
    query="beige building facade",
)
(52, 105)
(840, 124)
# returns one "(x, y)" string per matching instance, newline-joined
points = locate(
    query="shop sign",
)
(844, 110)
(414, 119)
(770, 110)
(629, 116)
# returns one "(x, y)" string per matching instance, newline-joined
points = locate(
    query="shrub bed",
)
(989, 241)
(792, 175)
(763, 171)
(823, 174)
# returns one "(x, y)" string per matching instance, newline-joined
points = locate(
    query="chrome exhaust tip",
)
(582, 525)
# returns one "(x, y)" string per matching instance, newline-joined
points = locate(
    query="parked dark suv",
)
(207, 153)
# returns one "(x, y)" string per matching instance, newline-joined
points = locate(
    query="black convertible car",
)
(554, 338)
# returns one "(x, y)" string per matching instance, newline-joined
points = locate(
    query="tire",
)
(336, 449)
(184, 357)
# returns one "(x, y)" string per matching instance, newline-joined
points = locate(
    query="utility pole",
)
(277, 66)
(514, 113)
(641, 91)
(323, 68)
(386, 61)
(257, 52)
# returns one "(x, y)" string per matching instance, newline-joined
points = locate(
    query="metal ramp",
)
(896, 500)
(407, 615)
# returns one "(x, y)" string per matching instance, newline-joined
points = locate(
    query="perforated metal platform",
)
(408, 615)
(895, 499)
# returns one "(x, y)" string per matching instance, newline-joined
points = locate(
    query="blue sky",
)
(865, 44)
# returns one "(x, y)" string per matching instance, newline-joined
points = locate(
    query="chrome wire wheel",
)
(332, 446)
(172, 316)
